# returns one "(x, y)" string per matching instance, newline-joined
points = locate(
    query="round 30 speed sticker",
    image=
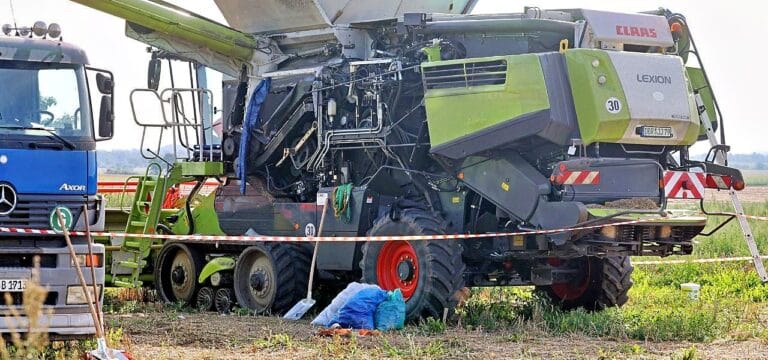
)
(613, 105)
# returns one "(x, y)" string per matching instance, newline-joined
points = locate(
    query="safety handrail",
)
(180, 123)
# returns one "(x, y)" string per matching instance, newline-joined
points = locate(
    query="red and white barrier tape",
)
(271, 238)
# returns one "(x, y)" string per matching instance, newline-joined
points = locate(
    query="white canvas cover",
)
(277, 16)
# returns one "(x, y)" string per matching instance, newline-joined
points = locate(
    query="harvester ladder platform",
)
(142, 219)
(720, 159)
(192, 137)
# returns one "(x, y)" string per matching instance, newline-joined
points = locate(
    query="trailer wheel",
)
(223, 300)
(204, 298)
(605, 283)
(176, 271)
(428, 272)
(271, 277)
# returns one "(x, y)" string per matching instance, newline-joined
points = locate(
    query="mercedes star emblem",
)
(7, 199)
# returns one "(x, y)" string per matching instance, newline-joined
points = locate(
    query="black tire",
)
(204, 298)
(271, 278)
(176, 270)
(606, 284)
(224, 300)
(439, 262)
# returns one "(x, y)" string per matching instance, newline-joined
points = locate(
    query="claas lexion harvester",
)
(419, 118)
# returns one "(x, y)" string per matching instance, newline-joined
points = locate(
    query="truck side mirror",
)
(106, 118)
(105, 84)
(153, 74)
(103, 81)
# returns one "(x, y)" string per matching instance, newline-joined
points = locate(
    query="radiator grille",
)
(465, 75)
(33, 211)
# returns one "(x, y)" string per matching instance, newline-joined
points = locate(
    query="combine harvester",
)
(415, 118)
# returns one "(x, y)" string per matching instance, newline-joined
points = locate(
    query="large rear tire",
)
(271, 278)
(428, 273)
(176, 271)
(604, 283)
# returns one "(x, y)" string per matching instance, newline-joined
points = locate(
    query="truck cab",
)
(48, 135)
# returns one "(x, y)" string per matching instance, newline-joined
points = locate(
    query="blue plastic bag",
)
(331, 311)
(390, 315)
(359, 311)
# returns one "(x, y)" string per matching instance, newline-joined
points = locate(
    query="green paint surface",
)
(197, 168)
(698, 83)
(217, 264)
(595, 122)
(459, 111)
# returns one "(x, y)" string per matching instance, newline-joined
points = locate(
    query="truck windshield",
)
(38, 95)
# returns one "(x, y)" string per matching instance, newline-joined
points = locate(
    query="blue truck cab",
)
(53, 110)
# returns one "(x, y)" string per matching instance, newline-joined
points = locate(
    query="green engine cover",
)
(467, 95)
(478, 104)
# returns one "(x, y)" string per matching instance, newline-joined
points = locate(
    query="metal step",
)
(133, 264)
(127, 284)
(138, 224)
(132, 244)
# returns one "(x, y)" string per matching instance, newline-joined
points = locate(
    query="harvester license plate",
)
(656, 132)
(15, 285)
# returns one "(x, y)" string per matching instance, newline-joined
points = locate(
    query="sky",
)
(729, 35)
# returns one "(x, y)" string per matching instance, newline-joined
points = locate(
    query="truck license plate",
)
(656, 132)
(14, 285)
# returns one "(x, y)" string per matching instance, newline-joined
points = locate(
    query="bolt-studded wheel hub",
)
(398, 267)
(259, 281)
(182, 274)
(576, 288)
(178, 275)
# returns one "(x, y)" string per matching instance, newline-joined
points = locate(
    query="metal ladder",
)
(720, 159)
(143, 219)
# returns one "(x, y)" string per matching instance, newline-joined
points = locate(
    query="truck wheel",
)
(271, 277)
(605, 283)
(176, 271)
(428, 272)
(204, 298)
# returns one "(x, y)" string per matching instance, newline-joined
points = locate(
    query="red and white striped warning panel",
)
(684, 185)
(116, 187)
(583, 177)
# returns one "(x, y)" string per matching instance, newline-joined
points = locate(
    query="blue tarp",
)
(250, 124)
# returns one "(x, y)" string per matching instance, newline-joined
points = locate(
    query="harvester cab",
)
(570, 128)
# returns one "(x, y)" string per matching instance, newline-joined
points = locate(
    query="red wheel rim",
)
(398, 267)
(571, 291)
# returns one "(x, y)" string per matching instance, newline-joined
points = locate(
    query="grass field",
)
(756, 177)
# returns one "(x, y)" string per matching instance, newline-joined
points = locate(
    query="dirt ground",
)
(164, 335)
